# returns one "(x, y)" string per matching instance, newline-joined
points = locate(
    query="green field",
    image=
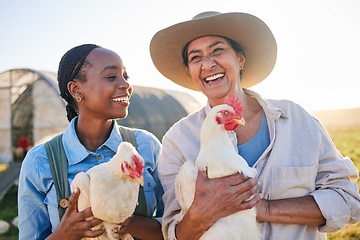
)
(348, 143)
(346, 140)
(8, 211)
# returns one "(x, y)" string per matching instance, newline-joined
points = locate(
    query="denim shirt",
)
(300, 160)
(37, 202)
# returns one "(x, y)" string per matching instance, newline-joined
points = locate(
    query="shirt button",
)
(103, 147)
(63, 203)
(148, 184)
(99, 157)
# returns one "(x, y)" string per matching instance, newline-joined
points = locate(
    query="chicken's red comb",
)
(137, 162)
(234, 103)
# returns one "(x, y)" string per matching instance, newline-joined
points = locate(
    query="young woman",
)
(304, 188)
(94, 83)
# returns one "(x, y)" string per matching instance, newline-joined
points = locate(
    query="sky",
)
(318, 41)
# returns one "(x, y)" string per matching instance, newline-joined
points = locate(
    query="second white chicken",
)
(219, 158)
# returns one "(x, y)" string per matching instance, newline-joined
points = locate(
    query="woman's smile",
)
(123, 100)
(214, 79)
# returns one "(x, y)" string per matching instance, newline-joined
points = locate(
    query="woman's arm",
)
(301, 210)
(214, 199)
(144, 228)
(332, 188)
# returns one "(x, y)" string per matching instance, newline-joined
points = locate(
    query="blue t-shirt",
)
(253, 149)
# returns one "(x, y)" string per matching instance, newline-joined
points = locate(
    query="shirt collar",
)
(115, 138)
(268, 107)
(76, 152)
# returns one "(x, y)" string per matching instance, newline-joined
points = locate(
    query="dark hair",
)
(234, 45)
(72, 66)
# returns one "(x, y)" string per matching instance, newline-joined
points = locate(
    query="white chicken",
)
(4, 226)
(111, 189)
(220, 158)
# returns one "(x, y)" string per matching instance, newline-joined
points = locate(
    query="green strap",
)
(58, 167)
(128, 135)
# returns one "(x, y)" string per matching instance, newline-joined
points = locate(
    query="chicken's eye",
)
(226, 112)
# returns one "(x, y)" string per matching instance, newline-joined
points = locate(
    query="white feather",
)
(111, 195)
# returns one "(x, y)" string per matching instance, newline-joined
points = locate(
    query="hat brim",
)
(253, 35)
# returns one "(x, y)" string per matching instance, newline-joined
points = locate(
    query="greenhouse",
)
(32, 110)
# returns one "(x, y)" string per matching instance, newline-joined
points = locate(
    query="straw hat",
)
(253, 35)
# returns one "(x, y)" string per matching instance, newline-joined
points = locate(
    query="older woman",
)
(304, 187)
(95, 84)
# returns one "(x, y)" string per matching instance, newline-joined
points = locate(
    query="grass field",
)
(346, 140)
(348, 143)
(8, 211)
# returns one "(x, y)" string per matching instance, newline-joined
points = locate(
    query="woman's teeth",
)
(214, 77)
(120, 99)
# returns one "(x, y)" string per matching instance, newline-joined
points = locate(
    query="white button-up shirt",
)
(300, 160)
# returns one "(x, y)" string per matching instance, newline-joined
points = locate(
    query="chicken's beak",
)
(240, 121)
(140, 180)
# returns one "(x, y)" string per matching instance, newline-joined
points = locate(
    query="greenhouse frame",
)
(33, 112)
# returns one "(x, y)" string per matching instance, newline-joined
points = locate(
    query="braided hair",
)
(69, 69)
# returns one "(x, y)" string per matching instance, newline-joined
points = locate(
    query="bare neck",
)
(92, 134)
(252, 113)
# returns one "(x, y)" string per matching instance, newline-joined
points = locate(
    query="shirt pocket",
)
(292, 181)
(50, 198)
(149, 191)
(52, 204)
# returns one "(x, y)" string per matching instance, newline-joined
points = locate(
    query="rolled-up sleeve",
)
(337, 193)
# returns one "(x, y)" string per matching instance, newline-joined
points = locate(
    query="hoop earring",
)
(78, 99)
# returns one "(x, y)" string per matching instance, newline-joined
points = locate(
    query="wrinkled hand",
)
(74, 225)
(221, 197)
